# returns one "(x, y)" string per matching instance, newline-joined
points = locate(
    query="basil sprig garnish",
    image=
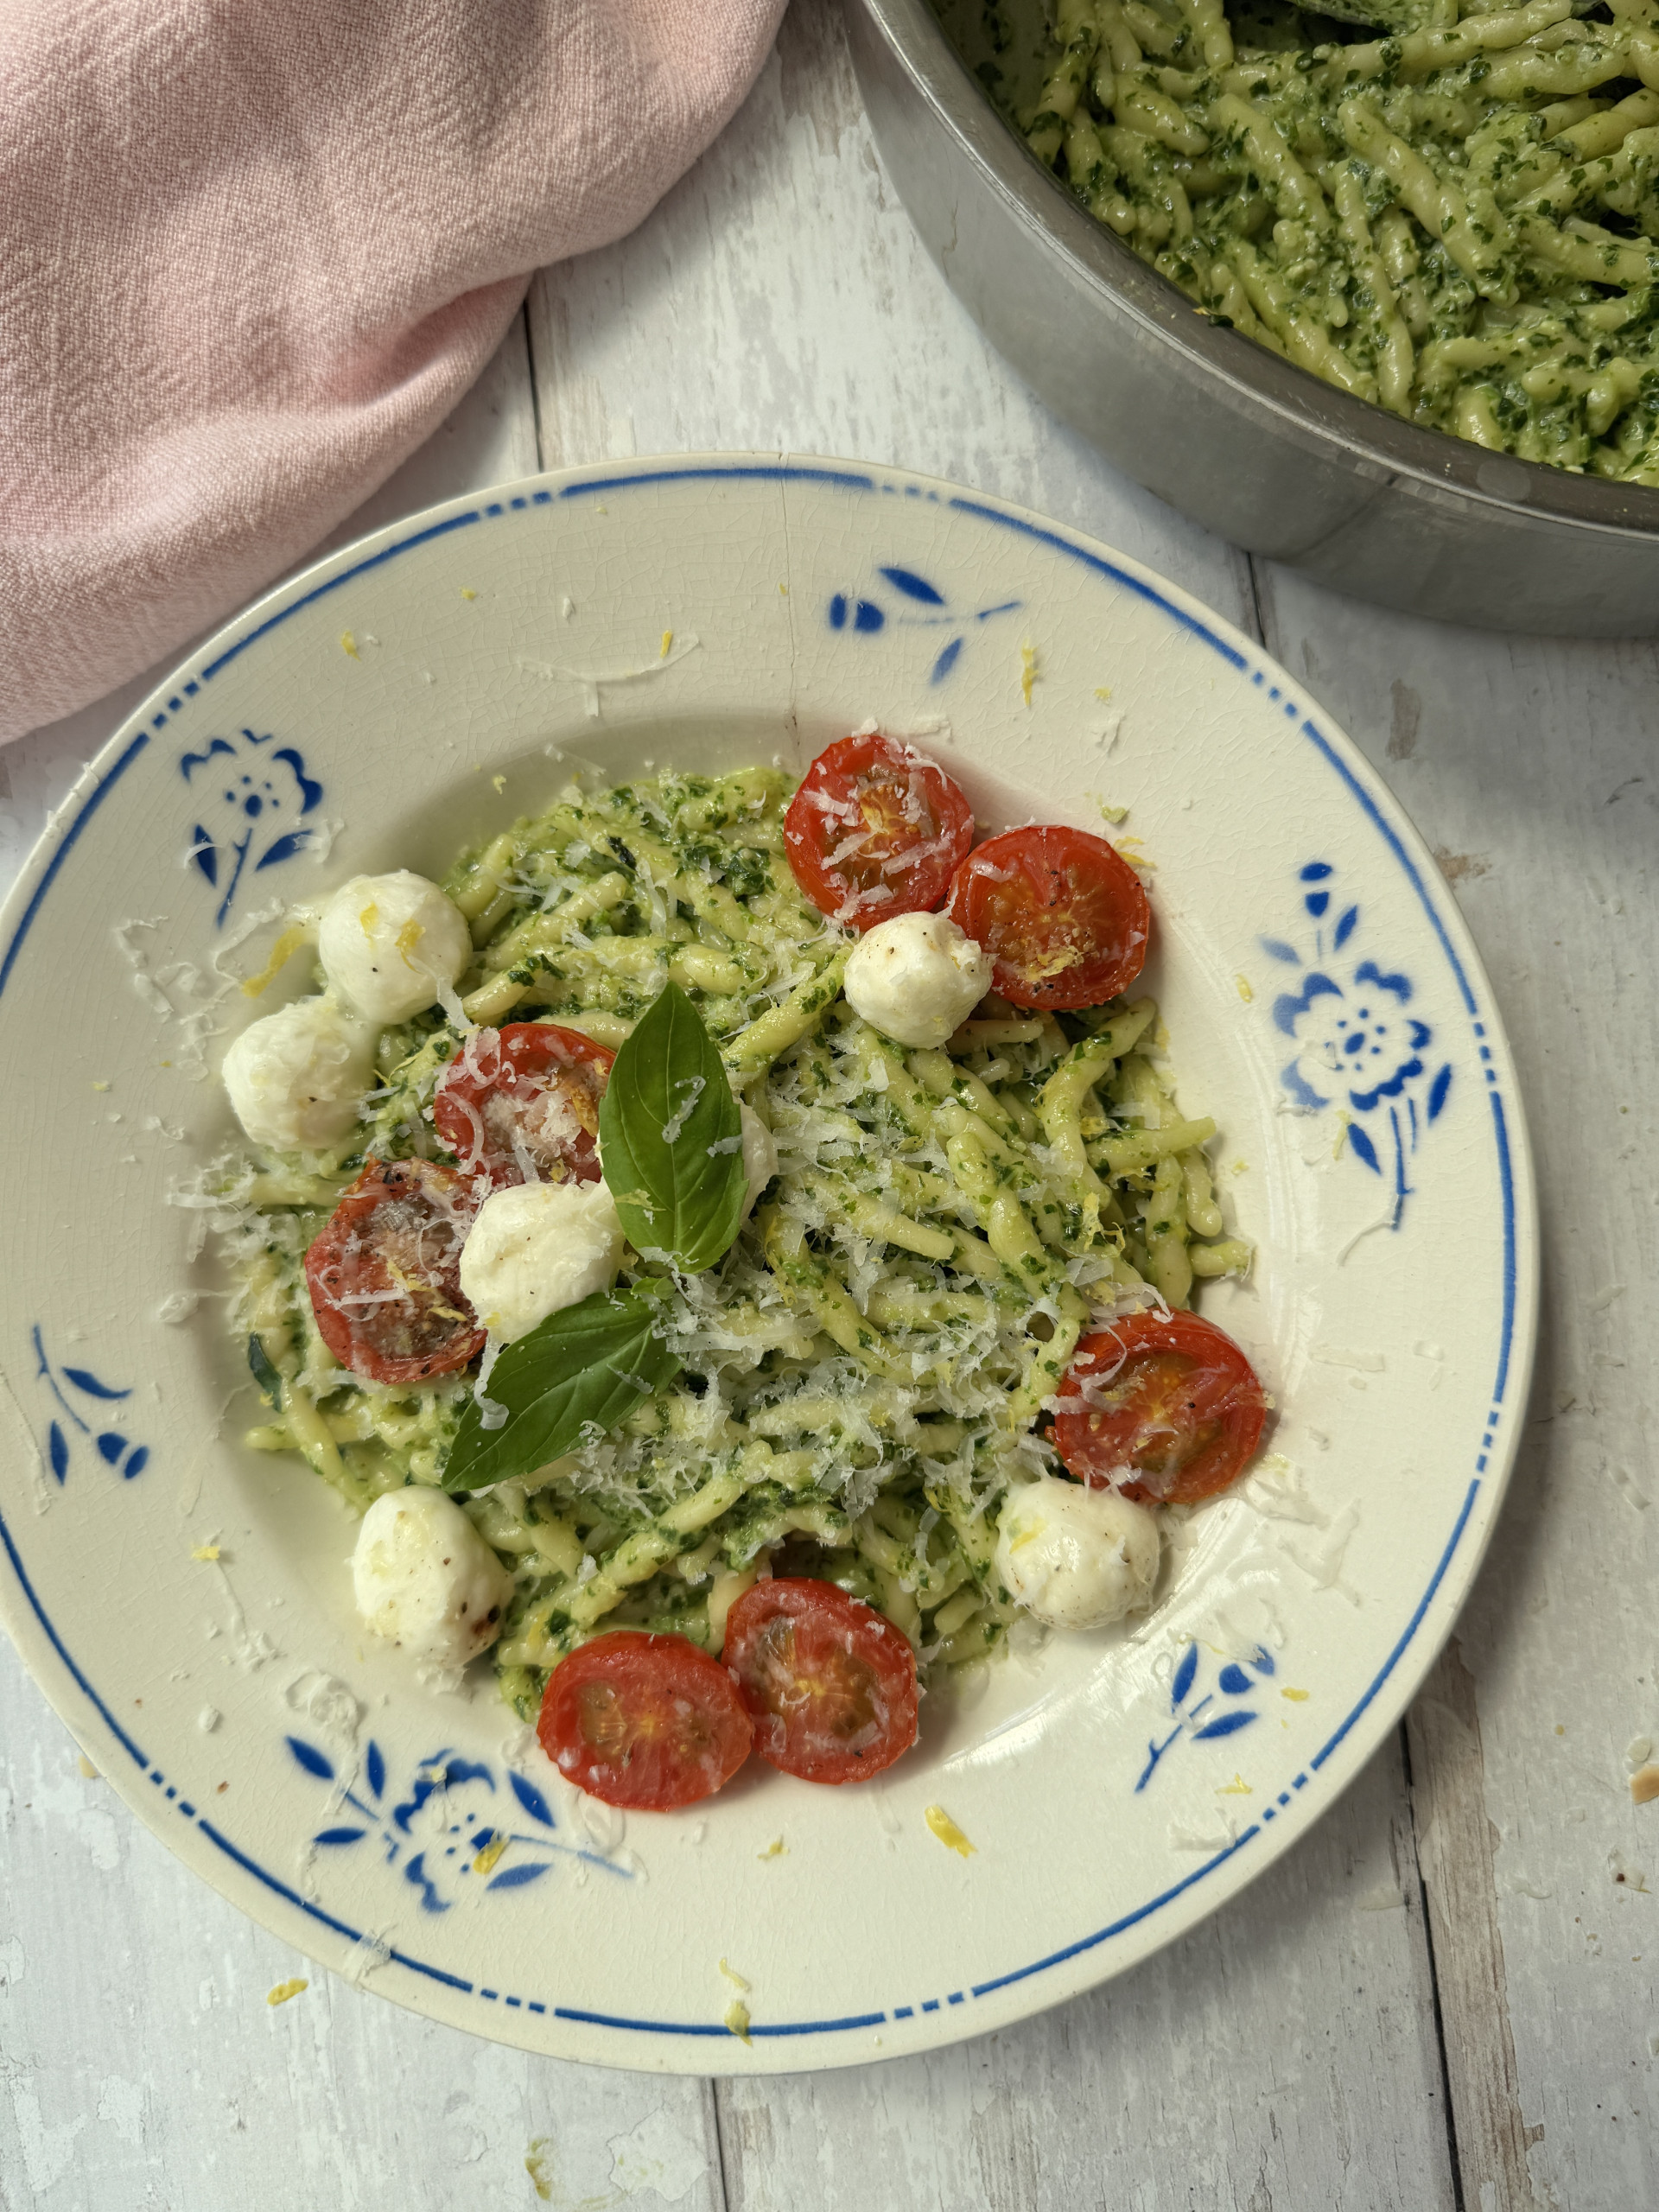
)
(670, 1138)
(591, 1363)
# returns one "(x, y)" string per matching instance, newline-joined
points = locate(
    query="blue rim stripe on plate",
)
(847, 480)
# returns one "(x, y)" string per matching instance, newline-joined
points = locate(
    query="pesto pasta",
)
(1457, 221)
(861, 1376)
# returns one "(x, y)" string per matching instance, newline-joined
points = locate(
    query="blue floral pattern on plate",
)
(258, 801)
(917, 605)
(112, 1446)
(454, 1822)
(1201, 1720)
(1356, 1037)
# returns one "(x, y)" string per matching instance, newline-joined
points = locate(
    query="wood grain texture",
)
(779, 298)
(1454, 1846)
(1530, 765)
(1279, 2056)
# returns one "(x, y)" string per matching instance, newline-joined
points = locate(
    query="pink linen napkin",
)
(251, 252)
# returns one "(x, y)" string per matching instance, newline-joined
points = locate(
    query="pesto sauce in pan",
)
(1457, 221)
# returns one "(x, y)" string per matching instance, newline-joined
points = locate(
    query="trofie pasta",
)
(787, 1299)
(1457, 221)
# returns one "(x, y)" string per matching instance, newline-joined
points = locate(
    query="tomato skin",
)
(1063, 915)
(410, 1216)
(829, 1682)
(532, 1081)
(912, 823)
(648, 1722)
(1175, 1399)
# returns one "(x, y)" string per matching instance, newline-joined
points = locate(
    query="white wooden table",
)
(1447, 1996)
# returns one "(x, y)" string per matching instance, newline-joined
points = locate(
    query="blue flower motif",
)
(454, 1822)
(1356, 1040)
(112, 1446)
(865, 615)
(1201, 1720)
(256, 800)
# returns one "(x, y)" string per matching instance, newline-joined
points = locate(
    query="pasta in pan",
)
(1457, 221)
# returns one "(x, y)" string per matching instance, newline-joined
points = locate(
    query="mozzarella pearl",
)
(392, 943)
(425, 1578)
(295, 1077)
(1076, 1557)
(916, 978)
(760, 1156)
(535, 1248)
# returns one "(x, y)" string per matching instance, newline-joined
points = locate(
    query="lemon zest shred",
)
(947, 1831)
(284, 1990)
(281, 953)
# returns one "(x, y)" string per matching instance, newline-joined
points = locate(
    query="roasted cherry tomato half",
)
(1165, 1408)
(875, 830)
(1061, 914)
(521, 1104)
(385, 1273)
(650, 1722)
(829, 1683)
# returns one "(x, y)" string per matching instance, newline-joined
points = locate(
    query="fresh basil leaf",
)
(671, 1138)
(594, 1361)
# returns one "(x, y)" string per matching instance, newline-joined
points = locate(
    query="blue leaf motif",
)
(138, 1460)
(111, 1445)
(514, 1877)
(1363, 1148)
(1277, 948)
(946, 661)
(530, 1798)
(838, 611)
(1345, 928)
(57, 1451)
(1183, 1674)
(1226, 1724)
(311, 1759)
(1262, 1661)
(914, 586)
(339, 1835)
(1437, 1090)
(295, 841)
(1236, 1681)
(374, 1766)
(90, 1384)
(1316, 871)
(1316, 902)
(868, 616)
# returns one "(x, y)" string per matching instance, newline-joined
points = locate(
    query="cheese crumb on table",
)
(1644, 1785)
(284, 1990)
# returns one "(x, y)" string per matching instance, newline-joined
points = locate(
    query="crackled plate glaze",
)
(1324, 1003)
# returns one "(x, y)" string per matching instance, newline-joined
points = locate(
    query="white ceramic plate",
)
(1324, 1003)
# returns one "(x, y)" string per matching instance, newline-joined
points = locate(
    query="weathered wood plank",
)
(1529, 766)
(779, 298)
(1279, 2056)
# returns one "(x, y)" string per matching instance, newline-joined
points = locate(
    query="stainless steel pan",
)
(1233, 436)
